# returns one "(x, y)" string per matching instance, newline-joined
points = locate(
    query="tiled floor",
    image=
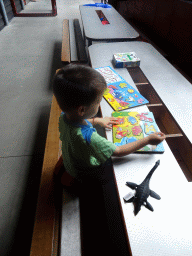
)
(30, 50)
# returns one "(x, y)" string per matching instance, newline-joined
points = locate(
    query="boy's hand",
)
(153, 139)
(106, 122)
(156, 138)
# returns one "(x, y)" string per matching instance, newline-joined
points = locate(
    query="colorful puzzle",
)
(119, 94)
(134, 126)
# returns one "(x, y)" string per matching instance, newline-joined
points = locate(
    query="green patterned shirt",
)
(82, 147)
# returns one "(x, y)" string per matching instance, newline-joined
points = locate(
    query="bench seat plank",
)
(70, 232)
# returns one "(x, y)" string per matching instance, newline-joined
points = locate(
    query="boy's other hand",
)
(156, 138)
(107, 122)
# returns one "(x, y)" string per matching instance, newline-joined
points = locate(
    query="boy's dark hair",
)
(77, 85)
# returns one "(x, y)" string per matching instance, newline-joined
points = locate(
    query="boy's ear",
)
(81, 111)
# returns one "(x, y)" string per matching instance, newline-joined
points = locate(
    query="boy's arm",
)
(104, 122)
(153, 139)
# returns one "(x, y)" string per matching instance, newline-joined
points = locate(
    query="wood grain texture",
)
(65, 51)
(45, 233)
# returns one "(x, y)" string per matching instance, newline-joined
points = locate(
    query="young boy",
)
(79, 90)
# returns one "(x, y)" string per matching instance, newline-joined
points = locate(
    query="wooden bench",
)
(69, 28)
(65, 51)
(46, 227)
(80, 44)
(52, 198)
(62, 219)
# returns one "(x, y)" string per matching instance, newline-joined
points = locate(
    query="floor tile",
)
(18, 190)
(24, 124)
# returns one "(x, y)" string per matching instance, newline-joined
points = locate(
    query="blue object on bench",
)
(99, 5)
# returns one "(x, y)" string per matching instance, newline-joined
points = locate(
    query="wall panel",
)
(180, 35)
(163, 16)
(168, 23)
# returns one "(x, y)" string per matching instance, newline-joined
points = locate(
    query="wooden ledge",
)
(173, 135)
(46, 226)
(154, 105)
(65, 51)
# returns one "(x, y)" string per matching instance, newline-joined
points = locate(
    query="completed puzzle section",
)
(119, 94)
(133, 126)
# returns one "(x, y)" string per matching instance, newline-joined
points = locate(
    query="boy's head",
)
(77, 85)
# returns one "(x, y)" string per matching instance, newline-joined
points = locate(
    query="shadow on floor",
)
(23, 235)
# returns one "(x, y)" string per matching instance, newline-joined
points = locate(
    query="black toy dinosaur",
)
(143, 192)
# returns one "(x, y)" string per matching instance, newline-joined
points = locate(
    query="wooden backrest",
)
(65, 51)
(80, 43)
(46, 226)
